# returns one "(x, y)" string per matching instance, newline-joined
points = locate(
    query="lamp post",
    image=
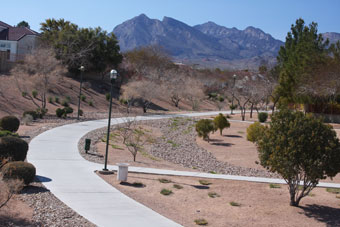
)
(113, 77)
(232, 99)
(82, 69)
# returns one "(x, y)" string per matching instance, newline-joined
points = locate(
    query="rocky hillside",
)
(200, 43)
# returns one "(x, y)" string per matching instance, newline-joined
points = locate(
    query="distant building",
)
(16, 42)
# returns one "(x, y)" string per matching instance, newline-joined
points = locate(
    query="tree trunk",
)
(251, 110)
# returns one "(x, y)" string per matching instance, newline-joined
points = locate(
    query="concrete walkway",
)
(72, 179)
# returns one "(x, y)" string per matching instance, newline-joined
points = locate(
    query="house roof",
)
(15, 33)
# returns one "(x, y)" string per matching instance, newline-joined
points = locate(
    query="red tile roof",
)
(5, 25)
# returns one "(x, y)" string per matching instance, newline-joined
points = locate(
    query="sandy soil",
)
(16, 212)
(260, 205)
(120, 154)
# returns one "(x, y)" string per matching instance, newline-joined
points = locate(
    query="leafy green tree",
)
(92, 47)
(304, 51)
(255, 131)
(23, 24)
(221, 122)
(302, 149)
(204, 127)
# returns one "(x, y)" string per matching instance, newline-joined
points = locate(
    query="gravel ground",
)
(177, 145)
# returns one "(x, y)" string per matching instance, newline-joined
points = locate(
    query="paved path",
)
(72, 179)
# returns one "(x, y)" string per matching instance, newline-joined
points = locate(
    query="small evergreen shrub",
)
(204, 127)
(166, 192)
(56, 99)
(83, 98)
(4, 133)
(13, 148)
(65, 103)
(201, 221)
(164, 181)
(33, 113)
(41, 112)
(24, 94)
(50, 100)
(204, 182)
(263, 116)
(177, 186)
(35, 93)
(10, 123)
(213, 195)
(19, 170)
(234, 204)
(221, 122)
(59, 112)
(255, 131)
(90, 103)
(68, 110)
(107, 96)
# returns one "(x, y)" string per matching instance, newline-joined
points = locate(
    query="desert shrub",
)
(10, 123)
(24, 94)
(41, 112)
(255, 131)
(204, 127)
(165, 181)
(263, 116)
(4, 133)
(34, 93)
(63, 112)
(65, 103)
(233, 107)
(68, 110)
(19, 170)
(68, 98)
(166, 192)
(201, 221)
(50, 100)
(56, 99)
(27, 119)
(177, 186)
(81, 112)
(300, 148)
(213, 195)
(204, 182)
(8, 189)
(234, 204)
(90, 103)
(13, 148)
(221, 122)
(33, 113)
(59, 112)
(83, 98)
(107, 96)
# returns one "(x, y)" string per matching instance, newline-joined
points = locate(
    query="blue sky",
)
(272, 16)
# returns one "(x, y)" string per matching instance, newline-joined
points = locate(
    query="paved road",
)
(72, 179)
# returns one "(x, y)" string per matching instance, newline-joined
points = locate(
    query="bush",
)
(107, 96)
(56, 99)
(262, 117)
(34, 93)
(19, 170)
(204, 127)
(24, 94)
(27, 119)
(299, 147)
(63, 112)
(41, 112)
(13, 148)
(33, 113)
(90, 103)
(10, 123)
(65, 103)
(221, 122)
(81, 112)
(255, 131)
(4, 133)
(83, 98)
(59, 112)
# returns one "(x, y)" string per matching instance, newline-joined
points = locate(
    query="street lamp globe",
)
(113, 74)
(234, 76)
(82, 68)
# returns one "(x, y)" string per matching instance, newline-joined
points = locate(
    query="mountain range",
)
(208, 44)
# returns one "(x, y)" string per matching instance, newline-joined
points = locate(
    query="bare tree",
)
(142, 91)
(8, 189)
(193, 92)
(37, 71)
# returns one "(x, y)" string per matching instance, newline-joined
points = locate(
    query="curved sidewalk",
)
(72, 179)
